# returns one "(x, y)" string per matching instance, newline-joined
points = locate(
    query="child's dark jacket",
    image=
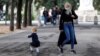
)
(35, 41)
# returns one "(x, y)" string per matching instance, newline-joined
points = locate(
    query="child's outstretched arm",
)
(29, 36)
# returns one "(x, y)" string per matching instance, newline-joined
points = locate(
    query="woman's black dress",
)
(62, 36)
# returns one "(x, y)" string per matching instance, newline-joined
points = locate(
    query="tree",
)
(97, 4)
(19, 16)
(50, 3)
(6, 13)
(12, 16)
(2, 2)
(29, 13)
(25, 14)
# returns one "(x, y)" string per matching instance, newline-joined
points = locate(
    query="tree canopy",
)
(50, 3)
(97, 4)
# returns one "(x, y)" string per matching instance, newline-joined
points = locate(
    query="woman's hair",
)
(67, 4)
(68, 8)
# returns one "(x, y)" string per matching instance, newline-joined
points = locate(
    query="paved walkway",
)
(17, 44)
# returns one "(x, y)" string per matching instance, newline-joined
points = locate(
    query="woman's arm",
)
(74, 15)
(61, 21)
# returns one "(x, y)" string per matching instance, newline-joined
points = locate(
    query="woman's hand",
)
(61, 30)
(73, 16)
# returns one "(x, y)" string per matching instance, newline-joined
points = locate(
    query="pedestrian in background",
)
(45, 14)
(54, 15)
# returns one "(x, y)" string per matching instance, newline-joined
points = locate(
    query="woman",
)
(66, 25)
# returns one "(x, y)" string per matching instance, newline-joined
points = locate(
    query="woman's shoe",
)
(73, 51)
(61, 49)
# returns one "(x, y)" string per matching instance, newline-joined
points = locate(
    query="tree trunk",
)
(29, 13)
(12, 16)
(7, 6)
(19, 16)
(25, 14)
(1, 7)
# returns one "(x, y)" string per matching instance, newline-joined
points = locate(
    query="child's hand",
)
(28, 36)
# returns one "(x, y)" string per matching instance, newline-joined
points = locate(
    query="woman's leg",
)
(67, 33)
(72, 35)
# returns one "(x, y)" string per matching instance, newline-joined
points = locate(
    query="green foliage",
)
(73, 2)
(47, 3)
(50, 3)
(33, 17)
(97, 4)
(3, 1)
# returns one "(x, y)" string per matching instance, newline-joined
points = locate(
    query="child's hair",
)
(34, 29)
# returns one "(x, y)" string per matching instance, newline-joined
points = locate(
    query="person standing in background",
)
(45, 14)
(54, 15)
